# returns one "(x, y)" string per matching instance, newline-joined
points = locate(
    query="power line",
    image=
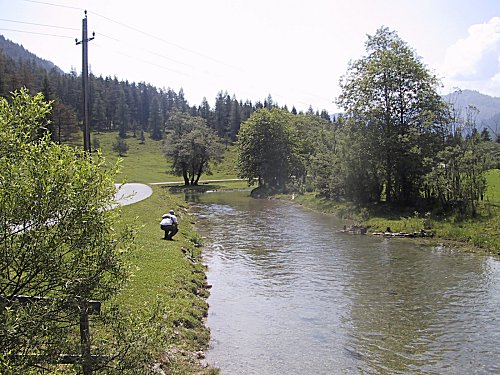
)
(109, 37)
(143, 60)
(136, 30)
(53, 26)
(37, 33)
(162, 40)
(39, 24)
(156, 54)
(52, 4)
(182, 48)
(100, 34)
(139, 31)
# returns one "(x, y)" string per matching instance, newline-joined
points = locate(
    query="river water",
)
(292, 295)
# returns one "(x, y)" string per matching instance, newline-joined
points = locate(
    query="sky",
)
(294, 50)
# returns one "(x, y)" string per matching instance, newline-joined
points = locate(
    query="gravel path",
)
(132, 193)
(135, 192)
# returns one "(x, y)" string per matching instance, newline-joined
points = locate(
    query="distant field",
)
(493, 182)
(146, 162)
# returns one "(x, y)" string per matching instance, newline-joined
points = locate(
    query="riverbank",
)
(480, 234)
(168, 287)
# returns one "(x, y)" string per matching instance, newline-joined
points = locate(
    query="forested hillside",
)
(488, 108)
(113, 104)
(134, 107)
(17, 52)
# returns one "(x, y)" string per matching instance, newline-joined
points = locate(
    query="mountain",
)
(488, 106)
(17, 52)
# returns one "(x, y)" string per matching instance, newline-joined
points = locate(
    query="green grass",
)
(493, 183)
(344, 210)
(146, 162)
(168, 274)
(227, 168)
(142, 163)
(159, 264)
(167, 286)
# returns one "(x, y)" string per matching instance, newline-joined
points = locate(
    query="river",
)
(292, 295)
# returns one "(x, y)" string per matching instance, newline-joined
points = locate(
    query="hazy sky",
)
(295, 50)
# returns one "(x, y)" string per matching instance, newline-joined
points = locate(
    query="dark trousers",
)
(170, 231)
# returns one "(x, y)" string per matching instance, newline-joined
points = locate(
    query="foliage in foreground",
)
(60, 243)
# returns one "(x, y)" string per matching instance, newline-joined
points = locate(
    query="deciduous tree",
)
(390, 97)
(268, 148)
(57, 235)
(191, 146)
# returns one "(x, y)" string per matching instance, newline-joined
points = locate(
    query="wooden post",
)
(85, 342)
(85, 308)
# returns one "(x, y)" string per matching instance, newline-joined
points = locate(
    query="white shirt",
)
(168, 220)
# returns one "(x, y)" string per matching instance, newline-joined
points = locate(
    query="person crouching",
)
(169, 225)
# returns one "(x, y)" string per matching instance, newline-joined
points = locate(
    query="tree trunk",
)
(200, 172)
(388, 179)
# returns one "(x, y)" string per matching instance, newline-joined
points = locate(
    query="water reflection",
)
(292, 295)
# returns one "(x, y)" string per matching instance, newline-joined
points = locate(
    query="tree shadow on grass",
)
(202, 188)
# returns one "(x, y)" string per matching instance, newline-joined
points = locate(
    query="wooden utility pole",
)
(85, 83)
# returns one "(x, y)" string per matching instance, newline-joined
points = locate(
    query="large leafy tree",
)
(57, 234)
(191, 146)
(268, 149)
(390, 99)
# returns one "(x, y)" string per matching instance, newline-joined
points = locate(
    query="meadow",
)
(145, 162)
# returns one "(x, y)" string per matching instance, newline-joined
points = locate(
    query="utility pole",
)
(85, 82)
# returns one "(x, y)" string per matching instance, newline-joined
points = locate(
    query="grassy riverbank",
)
(168, 285)
(476, 234)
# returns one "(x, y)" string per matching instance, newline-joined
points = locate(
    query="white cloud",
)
(476, 56)
(475, 60)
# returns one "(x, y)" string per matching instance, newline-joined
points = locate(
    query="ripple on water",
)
(291, 295)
